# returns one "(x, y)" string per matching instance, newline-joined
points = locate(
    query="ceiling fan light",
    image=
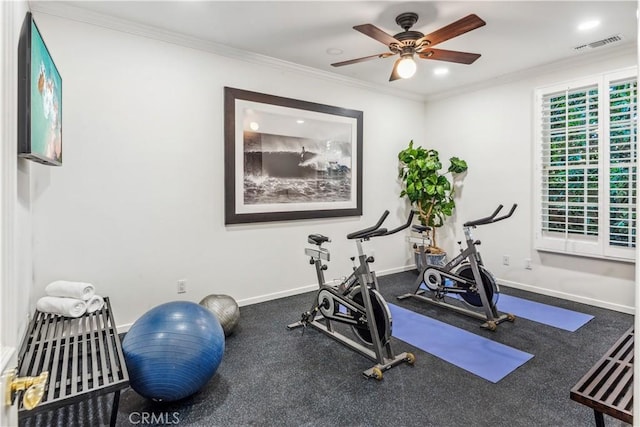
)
(407, 67)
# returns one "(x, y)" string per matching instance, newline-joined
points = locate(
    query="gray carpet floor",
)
(274, 377)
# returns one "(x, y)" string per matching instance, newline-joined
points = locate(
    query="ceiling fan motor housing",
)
(406, 38)
(408, 35)
(407, 20)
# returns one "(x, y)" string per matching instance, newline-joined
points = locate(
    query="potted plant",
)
(429, 189)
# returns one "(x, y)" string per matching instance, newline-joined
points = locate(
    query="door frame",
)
(11, 15)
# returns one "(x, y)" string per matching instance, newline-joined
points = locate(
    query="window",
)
(586, 138)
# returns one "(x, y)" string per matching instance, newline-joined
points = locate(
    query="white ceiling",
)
(518, 35)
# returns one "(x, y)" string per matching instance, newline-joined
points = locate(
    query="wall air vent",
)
(600, 43)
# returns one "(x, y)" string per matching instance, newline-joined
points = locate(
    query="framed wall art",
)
(287, 159)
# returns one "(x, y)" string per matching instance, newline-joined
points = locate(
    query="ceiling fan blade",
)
(376, 33)
(394, 72)
(449, 55)
(366, 58)
(461, 26)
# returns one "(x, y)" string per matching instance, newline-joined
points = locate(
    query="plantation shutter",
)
(622, 164)
(570, 167)
(586, 166)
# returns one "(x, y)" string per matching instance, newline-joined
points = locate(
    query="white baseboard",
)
(508, 283)
(124, 328)
(249, 301)
(309, 288)
(563, 295)
(277, 295)
(396, 270)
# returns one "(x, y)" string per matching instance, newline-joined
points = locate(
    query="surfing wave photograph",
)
(285, 169)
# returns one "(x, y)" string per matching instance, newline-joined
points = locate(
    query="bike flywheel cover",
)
(381, 314)
(490, 287)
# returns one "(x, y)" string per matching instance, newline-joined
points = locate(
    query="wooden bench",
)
(83, 357)
(608, 386)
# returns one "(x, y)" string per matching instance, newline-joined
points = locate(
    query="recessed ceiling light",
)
(254, 126)
(588, 25)
(441, 71)
(300, 121)
(334, 51)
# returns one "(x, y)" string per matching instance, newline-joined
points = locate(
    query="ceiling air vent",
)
(600, 43)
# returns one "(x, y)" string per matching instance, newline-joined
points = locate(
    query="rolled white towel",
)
(95, 303)
(63, 288)
(69, 307)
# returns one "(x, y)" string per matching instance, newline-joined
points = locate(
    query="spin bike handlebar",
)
(376, 231)
(491, 218)
(513, 209)
(402, 227)
(364, 232)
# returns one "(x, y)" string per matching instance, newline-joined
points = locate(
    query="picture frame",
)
(287, 159)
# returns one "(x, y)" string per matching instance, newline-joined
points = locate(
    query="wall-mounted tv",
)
(39, 98)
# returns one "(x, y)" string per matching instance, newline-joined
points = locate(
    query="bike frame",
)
(471, 255)
(365, 279)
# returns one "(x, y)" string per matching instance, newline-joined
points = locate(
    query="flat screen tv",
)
(39, 98)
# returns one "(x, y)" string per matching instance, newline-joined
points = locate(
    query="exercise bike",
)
(464, 277)
(355, 302)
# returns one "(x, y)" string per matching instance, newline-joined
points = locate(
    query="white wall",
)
(492, 128)
(139, 200)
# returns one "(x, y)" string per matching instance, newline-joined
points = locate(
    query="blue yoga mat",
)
(480, 356)
(542, 313)
(549, 315)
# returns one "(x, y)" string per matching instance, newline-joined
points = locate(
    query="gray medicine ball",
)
(225, 309)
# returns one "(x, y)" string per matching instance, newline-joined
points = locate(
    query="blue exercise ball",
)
(173, 350)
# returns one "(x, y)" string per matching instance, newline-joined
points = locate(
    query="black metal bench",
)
(83, 357)
(608, 386)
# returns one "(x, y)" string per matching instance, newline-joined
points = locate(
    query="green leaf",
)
(446, 185)
(430, 165)
(457, 165)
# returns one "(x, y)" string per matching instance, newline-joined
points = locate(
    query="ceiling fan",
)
(409, 43)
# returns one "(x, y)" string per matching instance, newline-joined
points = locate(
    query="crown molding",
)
(85, 16)
(74, 13)
(550, 67)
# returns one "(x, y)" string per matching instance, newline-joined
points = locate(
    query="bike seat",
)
(420, 228)
(317, 239)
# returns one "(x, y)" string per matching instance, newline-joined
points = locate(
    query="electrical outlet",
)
(527, 264)
(182, 286)
(505, 259)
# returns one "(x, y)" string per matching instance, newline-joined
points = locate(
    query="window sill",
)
(586, 255)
